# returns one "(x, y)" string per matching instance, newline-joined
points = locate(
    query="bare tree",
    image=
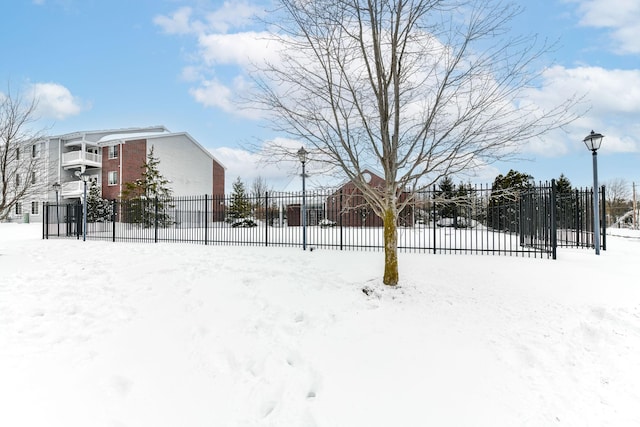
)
(21, 173)
(419, 89)
(618, 198)
(259, 186)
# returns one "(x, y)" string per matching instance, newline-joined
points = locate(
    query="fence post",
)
(577, 217)
(521, 220)
(114, 211)
(206, 219)
(45, 220)
(78, 213)
(604, 223)
(435, 215)
(554, 225)
(340, 218)
(155, 208)
(266, 218)
(593, 192)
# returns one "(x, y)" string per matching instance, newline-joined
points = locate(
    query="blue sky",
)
(100, 65)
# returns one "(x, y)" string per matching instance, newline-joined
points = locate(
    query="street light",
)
(56, 187)
(593, 142)
(302, 155)
(84, 178)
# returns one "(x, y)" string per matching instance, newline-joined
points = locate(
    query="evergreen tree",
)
(566, 203)
(149, 197)
(464, 205)
(445, 194)
(505, 195)
(454, 202)
(98, 209)
(563, 185)
(240, 205)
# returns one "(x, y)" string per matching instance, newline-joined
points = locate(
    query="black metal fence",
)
(531, 222)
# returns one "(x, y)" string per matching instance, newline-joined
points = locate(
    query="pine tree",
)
(98, 209)
(464, 203)
(563, 185)
(445, 195)
(505, 195)
(566, 203)
(453, 202)
(240, 205)
(149, 197)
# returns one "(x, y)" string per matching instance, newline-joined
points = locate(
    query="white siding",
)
(184, 163)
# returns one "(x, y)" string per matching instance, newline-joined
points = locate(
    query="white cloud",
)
(232, 15)
(276, 161)
(616, 91)
(613, 99)
(54, 100)
(621, 16)
(191, 74)
(213, 93)
(179, 22)
(248, 166)
(243, 49)
(237, 52)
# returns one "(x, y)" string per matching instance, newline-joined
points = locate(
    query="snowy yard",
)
(127, 334)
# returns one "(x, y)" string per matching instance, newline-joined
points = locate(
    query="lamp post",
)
(302, 155)
(593, 142)
(56, 187)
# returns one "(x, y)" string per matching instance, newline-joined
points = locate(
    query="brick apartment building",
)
(114, 157)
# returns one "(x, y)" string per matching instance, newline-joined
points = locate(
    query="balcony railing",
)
(79, 158)
(76, 188)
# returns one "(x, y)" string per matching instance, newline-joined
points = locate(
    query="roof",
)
(106, 137)
(100, 135)
(113, 139)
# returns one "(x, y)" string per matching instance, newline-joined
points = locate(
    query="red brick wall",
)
(348, 206)
(218, 179)
(218, 192)
(132, 156)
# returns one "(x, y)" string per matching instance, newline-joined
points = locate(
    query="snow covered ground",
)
(125, 334)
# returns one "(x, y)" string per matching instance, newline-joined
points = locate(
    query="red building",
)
(348, 207)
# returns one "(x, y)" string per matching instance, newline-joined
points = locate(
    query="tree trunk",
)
(390, 247)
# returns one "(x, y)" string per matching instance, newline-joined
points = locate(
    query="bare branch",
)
(21, 174)
(417, 89)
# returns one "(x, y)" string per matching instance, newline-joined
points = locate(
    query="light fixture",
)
(302, 155)
(593, 142)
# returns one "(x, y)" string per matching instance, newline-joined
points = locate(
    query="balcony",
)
(74, 189)
(79, 158)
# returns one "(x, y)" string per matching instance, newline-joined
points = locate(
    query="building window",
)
(17, 180)
(113, 178)
(18, 208)
(33, 177)
(113, 151)
(18, 153)
(34, 208)
(35, 150)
